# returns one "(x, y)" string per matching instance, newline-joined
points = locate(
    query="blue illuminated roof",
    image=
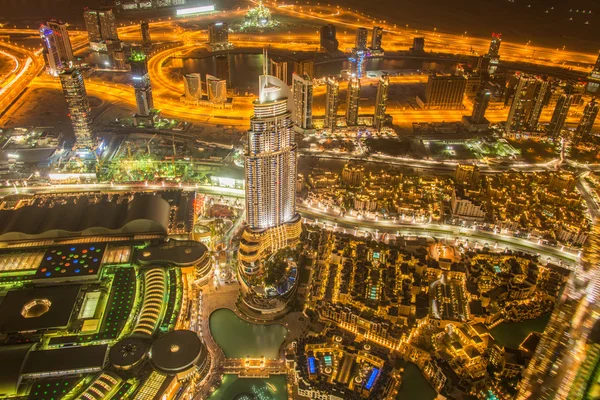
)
(372, 378)
(311, 365)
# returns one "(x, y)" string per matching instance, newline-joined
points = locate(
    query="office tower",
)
(482, 99)
(444, 92)
(381, 102)
(329, 43)
(593, 77)
(332, 96)
(279, 69)
(302, 89)
(305, 67)
(418, 45)
(146, 39)
(63, 43)
(218, 35)
(78, 105)
(466, 174)
(361, 39)
(141, 84)
(117, 55)
(376, 38)
(192, 84)
(352, 101)
(222, 68)
(101, 25)
(590, 112)
(358, 64)
(559, 116)
(216, 89)
(493, 54)
(51, 55)
(528, 101)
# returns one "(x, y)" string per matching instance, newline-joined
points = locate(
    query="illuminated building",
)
(381, 102)
(584, 129)
(258, 17)
(142, 88)
(328, 41)
(418, 45)
(302, 89)
(192, 84)
(466, 174)
(493, 53)
(78, 105)
(376, 38)
(361, 39)
(353, 175)
(332, 98)
(528, 101)
(561, 110)
(146, 39)
(594, 77)
(444, 92)
(305, 67)
(101, 25)
(279, 69)
(352, 101)
(57, 45)
(218, 35)
(216, 89)
(477, 120)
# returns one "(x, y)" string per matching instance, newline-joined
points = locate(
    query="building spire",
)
(265, 61)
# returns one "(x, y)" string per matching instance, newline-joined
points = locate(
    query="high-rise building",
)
(358, 63)
(101, 25)
(466, 174)
(141, 84)
(361, 39)
(482, 100)
(328, 41)
(222, 67)
(279, 69)
(590, 112)
(493, 54)
(305, 67)
(381, 102)
(527, 104)
(192, 84)
(418, 45)
(146, 39)
(559, 116)
(302, 89)
(51, 55)
(63, 43)
(352, 101)
(593, 77)
(216, 89)
(116, 53)
(218, 35)
(445, 92)
(376, 38)
(332, 96)
(79, 108)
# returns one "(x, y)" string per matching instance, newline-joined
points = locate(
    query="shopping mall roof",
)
(177, 351)
(175, 252)
(65, 361)
(143, 214)
(12, 358)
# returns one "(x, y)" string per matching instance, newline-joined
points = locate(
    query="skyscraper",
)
(218, 35)
(593, 77)
(146, 39)
(590, 112)
(376, 38)
(493, 53)
(51, 55)
(418, 45)
(141, 84)
(528, 101)
(559, 116)
(101, 25)
(328, 41)
(305, 67)
(222, 68)
(279, 69)
(361, 39)
(192, 84)
(444, 92)
(63, 43)
(352, 101)
(302, 89)
(331, 103)
(482, 99)
(381, 102)
(216, 89)
(78, 105)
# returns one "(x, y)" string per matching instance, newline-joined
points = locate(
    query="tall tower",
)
(590, 112)
(218, 35)
(216, 89)
(381, 102)
(493, 53)
(302, 88)
(92, 25)
(192, 84)
(141, 84)
(482, 99)
(279, 69)
(352, 101)
(560, 113)
(63, 43)
(146, 39)
(376, 38)
(328, 41)
(101, 25)
(51, 55)
(332, 97)
(361, 39)
(445, 91)
(78, 105)
(527, 104)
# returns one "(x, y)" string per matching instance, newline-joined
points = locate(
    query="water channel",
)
(511, 334)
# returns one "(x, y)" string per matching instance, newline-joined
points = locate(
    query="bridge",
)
(254, 367)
